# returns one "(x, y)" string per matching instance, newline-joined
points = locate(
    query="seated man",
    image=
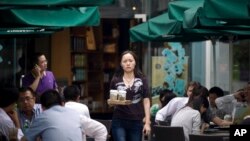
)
(213, 94)
(55, 123)
(228, 103)
(91, 127)
(8, 115)
(27, 109)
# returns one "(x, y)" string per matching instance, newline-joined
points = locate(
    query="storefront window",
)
(12, 60)
(241, 64)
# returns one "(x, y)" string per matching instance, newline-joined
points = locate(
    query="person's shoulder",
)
(27, 75)
(49, 72)
(179, 99)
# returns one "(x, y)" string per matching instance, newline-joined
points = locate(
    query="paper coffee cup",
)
(113, 94)
(122, 95)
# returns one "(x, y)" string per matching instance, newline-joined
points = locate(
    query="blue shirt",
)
(56, 124)
(37, 110)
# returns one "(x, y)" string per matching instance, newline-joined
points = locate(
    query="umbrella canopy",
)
(50, 3)
(193, 15)
(163, 25)
(59, 17)
(162, 28)
(220, 9)
(140, 33)
(176, 8)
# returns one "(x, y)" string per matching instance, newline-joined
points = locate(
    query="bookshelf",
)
(79, 59)
(86, 64)
(94, 58)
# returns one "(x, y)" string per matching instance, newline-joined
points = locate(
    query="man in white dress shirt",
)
(91, 127)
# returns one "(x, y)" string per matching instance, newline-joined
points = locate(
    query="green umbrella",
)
(176, 8)
(59, 17)
(227, 9)
(163, 25)
(195, 18)
(192, 13)
(49, 3)
(162, 28)
(140, 33)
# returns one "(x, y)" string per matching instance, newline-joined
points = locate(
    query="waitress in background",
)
(131, 121)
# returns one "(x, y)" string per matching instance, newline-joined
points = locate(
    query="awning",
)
(58, 17)
(51, 3)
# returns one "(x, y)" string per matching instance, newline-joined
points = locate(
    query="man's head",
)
(214, 93)
(71, 93)
(165, 96)
(51, 98)
(27, 99)
(40, 60)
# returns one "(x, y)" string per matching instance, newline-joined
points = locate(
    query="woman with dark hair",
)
(189, 117)
(127, 122)
(165, 96)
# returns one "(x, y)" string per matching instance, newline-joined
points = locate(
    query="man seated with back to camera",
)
(91, 127)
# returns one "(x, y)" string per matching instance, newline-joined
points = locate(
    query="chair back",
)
(168, 133)
(106, 123)
(3, 137)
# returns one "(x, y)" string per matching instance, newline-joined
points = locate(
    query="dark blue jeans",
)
(127, 130)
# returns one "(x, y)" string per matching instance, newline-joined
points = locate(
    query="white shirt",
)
(6, 123)
(94, 129)
(79, 107)
(91, 127)
(168, 110)
(189, 119)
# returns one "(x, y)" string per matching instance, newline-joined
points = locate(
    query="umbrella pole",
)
(213, 40)
(230, 62)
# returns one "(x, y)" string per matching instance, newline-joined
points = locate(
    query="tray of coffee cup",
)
(119, 102)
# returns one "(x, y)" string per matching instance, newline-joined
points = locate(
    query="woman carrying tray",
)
(131, 121)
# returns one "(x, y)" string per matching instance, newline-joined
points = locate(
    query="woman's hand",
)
(147, 129)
